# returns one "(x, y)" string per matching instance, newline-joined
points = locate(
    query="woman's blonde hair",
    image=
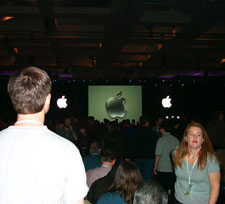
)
(206, 149)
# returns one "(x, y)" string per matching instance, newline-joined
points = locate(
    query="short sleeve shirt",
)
(200, 190)
(164, 146)
(37, 166)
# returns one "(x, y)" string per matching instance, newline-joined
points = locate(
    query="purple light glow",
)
(198, 74)
(168, 76)
(216, 74)
(65, 75)
(7, 73)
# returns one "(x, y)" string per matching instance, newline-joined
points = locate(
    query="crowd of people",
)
(81, 160)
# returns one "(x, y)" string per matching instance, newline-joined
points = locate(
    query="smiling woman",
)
(196, 168)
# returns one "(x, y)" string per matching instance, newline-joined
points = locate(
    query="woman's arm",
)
(214, 180)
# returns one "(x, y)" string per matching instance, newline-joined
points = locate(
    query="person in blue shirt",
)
(93, 160)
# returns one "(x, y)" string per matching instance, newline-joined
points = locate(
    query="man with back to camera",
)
(163, 168)
(36, 165)
(108, 159)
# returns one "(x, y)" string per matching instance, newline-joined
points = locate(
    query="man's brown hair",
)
(28, 89)
(108, 155)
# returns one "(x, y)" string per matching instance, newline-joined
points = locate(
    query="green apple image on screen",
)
(115, 106)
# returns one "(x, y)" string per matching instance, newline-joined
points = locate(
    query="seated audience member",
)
(126, 182)
(101, 186)
(108, 159)
(150, 192)
(93, 160)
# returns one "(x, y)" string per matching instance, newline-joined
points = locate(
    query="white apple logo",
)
(115, 106)
(166, 102)
(61, 102)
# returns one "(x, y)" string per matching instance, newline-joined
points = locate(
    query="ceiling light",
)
(174, 32)
(159, 46)
(222, 60)
(15, 50)
(6, 18)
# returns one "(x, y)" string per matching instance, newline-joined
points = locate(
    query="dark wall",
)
(77, 100)
(6, 109)
(199, 99)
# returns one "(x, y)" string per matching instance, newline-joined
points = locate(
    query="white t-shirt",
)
(39, 167)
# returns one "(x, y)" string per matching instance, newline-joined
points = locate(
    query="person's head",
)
(150, 192)
(106, 121)
(127, 180)
(158, 120)
(144, 121)
(165, 126)
(91, 120)
(94, 147)
(108, 156)
(29, 89)
(195, 138)
(218, 115)
(67, 122)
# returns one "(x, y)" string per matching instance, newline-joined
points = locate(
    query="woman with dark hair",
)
(196, 168)
(127, 180)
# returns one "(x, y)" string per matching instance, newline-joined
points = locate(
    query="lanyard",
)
(189, 176)
(189, 173)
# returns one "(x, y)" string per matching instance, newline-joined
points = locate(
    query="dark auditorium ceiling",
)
(114, 38)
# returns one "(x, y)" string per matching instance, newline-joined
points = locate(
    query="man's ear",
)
(114, 161)
(47, 103)
(48, 99)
